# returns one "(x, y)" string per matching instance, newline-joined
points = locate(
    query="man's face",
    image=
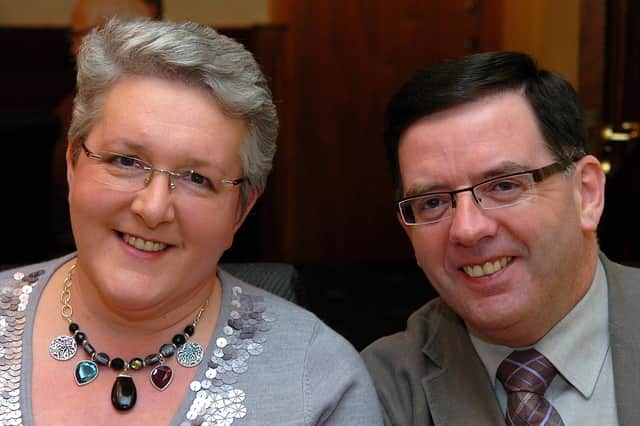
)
(536, 248)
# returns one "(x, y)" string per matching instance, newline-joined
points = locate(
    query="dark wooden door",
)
(616, 125)
(344, 59)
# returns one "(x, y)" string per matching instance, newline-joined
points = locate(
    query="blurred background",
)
(332, 66)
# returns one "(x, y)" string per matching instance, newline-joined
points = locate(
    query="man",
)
(86, 15)
(501, 203)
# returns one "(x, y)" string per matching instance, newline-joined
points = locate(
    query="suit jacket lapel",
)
(624, 297)
(457, 386)
(459, 391)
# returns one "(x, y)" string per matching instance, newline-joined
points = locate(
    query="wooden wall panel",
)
(344, 59)
(37, 71)
(332, 65)
(548, 30)
(591, 69)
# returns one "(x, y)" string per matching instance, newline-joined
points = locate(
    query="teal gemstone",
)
(86, 372)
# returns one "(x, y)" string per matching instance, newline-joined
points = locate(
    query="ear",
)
(589, 191)
(243, 213)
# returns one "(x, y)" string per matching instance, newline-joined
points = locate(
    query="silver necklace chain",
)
(67, 310)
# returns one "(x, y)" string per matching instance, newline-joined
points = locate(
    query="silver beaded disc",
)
(63, 348)
(190, 354)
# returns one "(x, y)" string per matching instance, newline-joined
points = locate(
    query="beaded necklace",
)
(123, 392)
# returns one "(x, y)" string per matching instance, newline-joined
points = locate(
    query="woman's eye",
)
(124, 162)
(198, 180)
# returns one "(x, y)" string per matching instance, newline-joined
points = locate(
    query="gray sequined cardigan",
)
(268, 362)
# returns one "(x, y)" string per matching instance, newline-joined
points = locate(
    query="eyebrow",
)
(140, 149)
(123, 146)
(502, 169)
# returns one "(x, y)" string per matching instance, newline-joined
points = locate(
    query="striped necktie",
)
(526, 375)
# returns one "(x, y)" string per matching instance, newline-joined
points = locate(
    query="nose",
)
(154, 203)
(469, 222)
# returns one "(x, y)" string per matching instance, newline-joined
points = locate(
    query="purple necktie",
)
(526, 375)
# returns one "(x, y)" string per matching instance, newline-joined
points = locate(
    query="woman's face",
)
(150, 246)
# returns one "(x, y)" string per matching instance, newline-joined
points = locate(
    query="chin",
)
(133, 295)
(499, 327)
(496, 315)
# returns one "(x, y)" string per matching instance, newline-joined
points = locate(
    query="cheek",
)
(549, 224)
(83, 200)
(212, 231)
(429, 247)
(88, 199)
(94, 213)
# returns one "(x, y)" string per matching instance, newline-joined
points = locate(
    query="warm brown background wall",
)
(332, 65)
(343, 59)
(57, 13)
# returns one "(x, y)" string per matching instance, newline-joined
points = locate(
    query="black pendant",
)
(123, 393)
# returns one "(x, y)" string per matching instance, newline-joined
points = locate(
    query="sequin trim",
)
(14, 299)
(218, 400)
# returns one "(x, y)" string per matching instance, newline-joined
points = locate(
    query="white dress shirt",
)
(578, 346)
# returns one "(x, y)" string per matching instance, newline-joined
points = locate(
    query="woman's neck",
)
(143, 328)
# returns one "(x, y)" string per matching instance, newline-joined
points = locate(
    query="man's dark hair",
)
(470, 78)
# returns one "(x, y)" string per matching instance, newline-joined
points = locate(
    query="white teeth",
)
(141, 244)
(488, 268)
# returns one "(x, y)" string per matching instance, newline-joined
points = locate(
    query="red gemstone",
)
(161, 376)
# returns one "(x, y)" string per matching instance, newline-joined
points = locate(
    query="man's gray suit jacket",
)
(430, 374)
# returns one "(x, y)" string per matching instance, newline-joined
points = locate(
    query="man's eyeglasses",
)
(133, 174)
(495, 193)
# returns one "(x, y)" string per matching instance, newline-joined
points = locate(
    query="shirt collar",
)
(577, 346)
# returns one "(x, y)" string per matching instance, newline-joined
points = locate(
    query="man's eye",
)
(432, 203)
(506, 185)
(504, 190)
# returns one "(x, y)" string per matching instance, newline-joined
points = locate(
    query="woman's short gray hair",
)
(186, 52)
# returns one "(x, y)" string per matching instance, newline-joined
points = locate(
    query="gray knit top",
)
(269, 361)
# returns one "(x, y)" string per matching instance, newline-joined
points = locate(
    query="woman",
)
(171, 141)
